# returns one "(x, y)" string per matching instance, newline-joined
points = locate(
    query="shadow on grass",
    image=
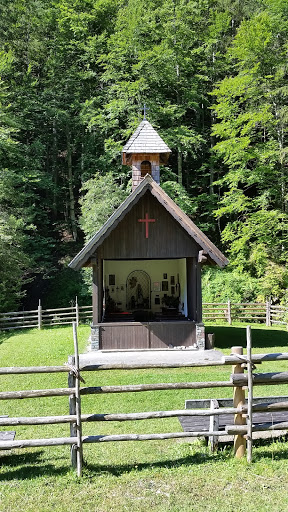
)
(228, 336)
(4, 335)
(25, 466)
(201, 457)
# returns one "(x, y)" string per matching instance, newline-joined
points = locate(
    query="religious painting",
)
(111, 279)
(172, 280)
(156, 286)
(164, 286)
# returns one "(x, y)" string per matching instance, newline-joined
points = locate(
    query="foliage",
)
(74, 76)
(102, 196)
(223, 285)
(252, 132)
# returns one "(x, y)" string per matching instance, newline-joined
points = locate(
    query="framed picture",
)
(164, 286)
(164, 276)
(111, 279)
(172, 280)
(172, 290)
(156, 286)
(157, 300)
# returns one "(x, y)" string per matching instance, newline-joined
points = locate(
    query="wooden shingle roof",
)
(145, 140)
(214, 255)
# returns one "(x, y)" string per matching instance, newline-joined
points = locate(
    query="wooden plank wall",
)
(146, 335)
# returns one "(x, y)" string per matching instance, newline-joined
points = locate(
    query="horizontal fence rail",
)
(264, 312)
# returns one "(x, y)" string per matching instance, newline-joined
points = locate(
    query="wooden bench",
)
(219, 422)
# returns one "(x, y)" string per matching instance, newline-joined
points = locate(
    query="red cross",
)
(146, 220)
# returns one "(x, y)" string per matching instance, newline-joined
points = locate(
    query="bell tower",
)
(144, 152)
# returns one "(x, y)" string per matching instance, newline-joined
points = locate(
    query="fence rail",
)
(264, 312)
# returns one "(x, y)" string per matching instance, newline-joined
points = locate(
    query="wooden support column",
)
(238, 401)
(191, 275)
(95, 306)
(198, 292)
(100, 289)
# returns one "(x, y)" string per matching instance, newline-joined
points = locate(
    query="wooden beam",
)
(191, 288)
(95, 317)
(198, 292)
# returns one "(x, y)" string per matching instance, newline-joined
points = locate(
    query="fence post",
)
(268, 313)
(77, 311)
(229, 312)
(79, 455)
(72, 410)
(39, 315)
(238, 401)
(250, 394)
(214, 426)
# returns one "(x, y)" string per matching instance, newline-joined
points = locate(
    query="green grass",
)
(174, 475)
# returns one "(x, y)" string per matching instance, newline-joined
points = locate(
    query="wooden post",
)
(72, 410)
(268, 313)
(250, 395)
(229, 312)
(79, 458)
(95, 306)
(214, 426)
(199, 292)
(77, 311)
(191, 288)
(238, 401)
(39, 315)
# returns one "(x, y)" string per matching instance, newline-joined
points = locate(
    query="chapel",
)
(146, 262)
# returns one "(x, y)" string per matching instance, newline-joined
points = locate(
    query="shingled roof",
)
(145, 140)
(213, 254)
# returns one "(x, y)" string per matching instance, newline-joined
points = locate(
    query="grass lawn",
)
(174, 475)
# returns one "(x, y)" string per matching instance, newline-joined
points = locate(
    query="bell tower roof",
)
(145, 140)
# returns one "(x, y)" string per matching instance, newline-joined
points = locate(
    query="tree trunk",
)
(70, 188)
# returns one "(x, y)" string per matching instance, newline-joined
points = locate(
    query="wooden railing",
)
(259, 312)
(229, 312)
(40, 317)
(243, 412)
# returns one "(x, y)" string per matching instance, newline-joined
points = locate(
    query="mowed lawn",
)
(171, 475)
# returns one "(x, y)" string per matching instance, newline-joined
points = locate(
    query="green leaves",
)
(102, 196)
(252, 134)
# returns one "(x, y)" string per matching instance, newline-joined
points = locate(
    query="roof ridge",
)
(134, 133)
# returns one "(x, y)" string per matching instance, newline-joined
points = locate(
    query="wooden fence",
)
(259, 312)
(243, 412)
(223, 311)
(39, 318)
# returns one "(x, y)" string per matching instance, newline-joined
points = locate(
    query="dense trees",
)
(74, 77)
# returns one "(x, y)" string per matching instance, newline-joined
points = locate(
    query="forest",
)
(74, 76)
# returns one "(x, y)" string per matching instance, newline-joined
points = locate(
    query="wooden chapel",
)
(146, 262)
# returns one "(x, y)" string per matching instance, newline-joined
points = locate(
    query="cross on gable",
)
(146, 221)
